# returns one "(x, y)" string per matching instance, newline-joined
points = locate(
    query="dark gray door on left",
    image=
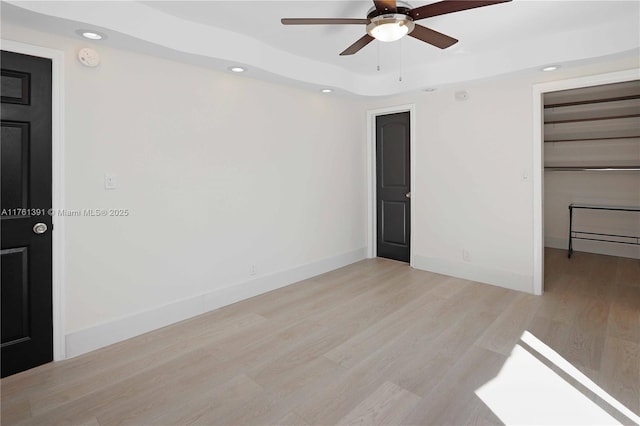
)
(26, 294)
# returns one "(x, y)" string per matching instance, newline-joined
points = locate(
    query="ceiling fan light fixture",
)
(390, 27)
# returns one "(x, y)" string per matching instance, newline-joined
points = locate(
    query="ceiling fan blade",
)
(386, 6)
(323, 21)
(355, 47)
(432, 37)
(449, 6)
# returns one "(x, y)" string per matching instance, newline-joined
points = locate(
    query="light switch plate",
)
(110, 181)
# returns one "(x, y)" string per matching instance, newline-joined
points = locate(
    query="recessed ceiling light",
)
(430, 89)
(237, 69)
(91, 35)
(550, 68)
(326, 90)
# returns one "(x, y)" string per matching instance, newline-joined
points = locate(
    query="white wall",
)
(469, 190)
(468, 193)
(218, 171)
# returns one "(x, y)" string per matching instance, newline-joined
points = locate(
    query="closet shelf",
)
(591, 101)
(593, 95)
(586, 120)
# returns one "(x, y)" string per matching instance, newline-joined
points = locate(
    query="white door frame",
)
(371, 174)
(58, 199)
(538, 156)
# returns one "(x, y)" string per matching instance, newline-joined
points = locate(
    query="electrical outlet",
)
(252, 269)
(466, 256)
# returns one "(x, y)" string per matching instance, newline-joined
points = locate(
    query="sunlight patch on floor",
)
(526, 391)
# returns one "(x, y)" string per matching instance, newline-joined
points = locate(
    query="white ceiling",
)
(494, 40)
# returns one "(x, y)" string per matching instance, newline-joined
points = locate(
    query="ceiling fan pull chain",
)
(378, 46)
(400, 77)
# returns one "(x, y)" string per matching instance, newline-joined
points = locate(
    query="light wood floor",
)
(371, 343)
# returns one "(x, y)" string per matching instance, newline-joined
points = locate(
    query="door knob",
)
(408, 195)
(40, 228)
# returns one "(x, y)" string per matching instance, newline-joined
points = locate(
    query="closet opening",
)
(591, 190)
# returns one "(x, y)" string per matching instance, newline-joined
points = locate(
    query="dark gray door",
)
(393, 177)
(27, 331)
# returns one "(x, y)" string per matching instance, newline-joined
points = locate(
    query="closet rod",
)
(593, 168)
(591, 139)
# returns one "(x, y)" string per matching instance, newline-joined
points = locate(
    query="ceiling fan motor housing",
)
(402, 8)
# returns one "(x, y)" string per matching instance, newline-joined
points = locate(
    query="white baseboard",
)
(474, 272)
(597, 247)
(89, 339)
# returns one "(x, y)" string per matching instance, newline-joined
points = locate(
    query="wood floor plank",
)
(364, 343)
(15, 412)
(457, 389)
(338, 397)
(624, 323)
(620, 372)
(121, 396)
(237, 402)
(566, 300)
(584, 340)
(193, 407)
(292, 419)
(628, 273)
(387, 405)
(45, 380)
(325, 293)
(399, 359)
(435, 358)
(291, 389)
(304, 379)
(375, 342)
(603, 276)
(507, 329)
(104, 374)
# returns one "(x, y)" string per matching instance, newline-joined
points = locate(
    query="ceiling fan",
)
(390, 20)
